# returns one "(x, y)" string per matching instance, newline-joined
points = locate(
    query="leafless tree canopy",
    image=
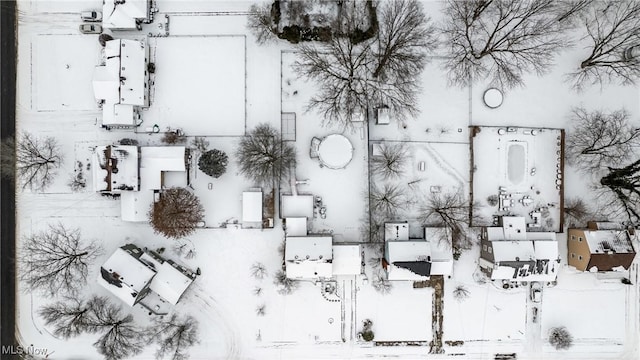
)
(176, 214)
(501, 39)
(576, 211)
(450, 212)
(376, 72)
(260, 23)
(36, 160)
(264, 157)
(391, 163)
(387, 200)
(599, 139)
(611, 27)
(461, 293)
(122, 338)
(623, 184)
(56, 260)
(69, 317)
(7, 158)
(174, 336)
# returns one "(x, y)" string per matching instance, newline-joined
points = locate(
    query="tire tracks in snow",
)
(217, 316)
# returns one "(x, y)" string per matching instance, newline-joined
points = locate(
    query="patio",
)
(518, 171)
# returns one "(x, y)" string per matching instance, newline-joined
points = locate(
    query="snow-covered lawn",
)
(333, 185)
(64, 59)
(402, 315)
(201, 88)
(588, 307)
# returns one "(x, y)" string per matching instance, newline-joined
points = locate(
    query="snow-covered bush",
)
(560, 338)
(461, 293)
(258, 270)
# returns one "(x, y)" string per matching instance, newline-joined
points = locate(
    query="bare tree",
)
(623, 187)
(611, 27)
(69, 317)
(560, 338)
(387, 201)
(56, 260)
(264, 157)
(449, 212)
(576, 211)
(570, 10)
(392, 160)
(261, 310)
(176, 214)
(174, 335)
(599, 139)
(122, 338)
(286, 286)
(501, 40)
(260, 23)
(36, 160)
(461, 293)
(258, 270)
(381, 71)
(381, 284)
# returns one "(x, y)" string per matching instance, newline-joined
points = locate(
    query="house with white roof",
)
(124, 14)
(601, 247)
(131, 274)
(122, 82)
(315, 257)
(415, 259)
(252, 209)
(138, 174)
(510, 253)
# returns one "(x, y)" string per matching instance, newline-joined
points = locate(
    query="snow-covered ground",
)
(56, 100)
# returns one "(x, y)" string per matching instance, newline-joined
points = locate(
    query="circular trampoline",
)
(492, 98)
(335, 151)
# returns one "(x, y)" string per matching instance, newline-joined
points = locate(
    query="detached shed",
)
(252, 209)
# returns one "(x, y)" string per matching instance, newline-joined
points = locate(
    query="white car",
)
(91, 16)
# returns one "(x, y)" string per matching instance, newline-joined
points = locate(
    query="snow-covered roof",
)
(296, 226)
(252, 206)
(525, 260)
(347, 259)
(127, 274)
(156, 159)
(122, 81)
(121, 158)
(308, 257)
(297, 206)
(170, 283)
(396, 231)
(135, 205)
(609, 241)
(123, 14)
(515, 227)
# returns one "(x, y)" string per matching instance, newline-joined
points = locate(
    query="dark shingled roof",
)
(421, 268)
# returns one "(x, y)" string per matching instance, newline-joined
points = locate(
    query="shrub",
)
(367, 335)
(213, 163)
(492, 200)
(560, 338)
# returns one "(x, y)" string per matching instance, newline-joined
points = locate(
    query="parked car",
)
(632, 53)
(536, 292)
(90, 29)
(91, 16)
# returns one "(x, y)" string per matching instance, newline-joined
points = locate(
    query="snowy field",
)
(64, 59)
(601, 314)
(525, 164)
(201, 88)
